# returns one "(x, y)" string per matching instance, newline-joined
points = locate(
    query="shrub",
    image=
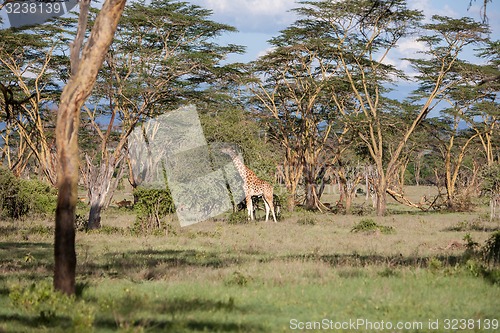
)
(9, 189)
(51, 307)
(238, 279)
(152, 206)
(491, 249)
(306, 220)
(40, 197)
(20, 197)
(368, 225)
(239, 217)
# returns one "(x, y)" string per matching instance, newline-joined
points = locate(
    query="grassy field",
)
(257, 277)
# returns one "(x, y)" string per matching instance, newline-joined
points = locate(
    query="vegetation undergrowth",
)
(369, 225)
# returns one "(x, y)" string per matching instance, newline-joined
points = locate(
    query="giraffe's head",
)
(229, 151)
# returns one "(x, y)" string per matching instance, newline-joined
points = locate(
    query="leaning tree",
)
(86, 59)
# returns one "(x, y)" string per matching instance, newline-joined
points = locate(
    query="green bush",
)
(306, 219)
(491, 249)
(151, 206)
(51, 307)
(9, 188)
(40, 197)
(368, 225)
(20, 197)
(239, 217)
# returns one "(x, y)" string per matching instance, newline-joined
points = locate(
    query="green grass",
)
(251, 277)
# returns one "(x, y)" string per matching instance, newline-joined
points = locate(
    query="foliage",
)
(238, 279)
(483, 260)
(9, 187)
(491, 249)
(27, 119)
(238, 217)
(230, 124)
(53, 307)
(369, 225)
(20, 197)
(151, 206)
(39, 196)
(306, 219)
(491, 180)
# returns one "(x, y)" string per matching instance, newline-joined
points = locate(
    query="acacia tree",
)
(294, 97)
(164, 53)
(364, 39)
(342, 46)
(86, 59)
(465, 101)
(30, 67)
(484, 116)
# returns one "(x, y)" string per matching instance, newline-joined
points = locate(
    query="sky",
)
(259, 20)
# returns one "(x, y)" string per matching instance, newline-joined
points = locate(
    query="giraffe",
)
(252, 186)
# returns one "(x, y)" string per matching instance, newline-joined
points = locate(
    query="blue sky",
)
(260, 20)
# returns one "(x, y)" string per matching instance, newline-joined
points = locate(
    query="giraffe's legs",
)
(250, 207)
(267, 209)
(268, 202)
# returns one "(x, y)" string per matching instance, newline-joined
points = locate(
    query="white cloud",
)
(428, 9)
(409, 46)
(252, 15)
(251, 7)
(406, 48)
(264, 52)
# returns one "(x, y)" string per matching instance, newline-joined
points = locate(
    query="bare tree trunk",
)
(312, 200)
(494, 205)
(99, 185)
(292, 169)
(417, 167)
(84, 72)
(348, 203)
(381, 191)
(114, 184)
(381, 203)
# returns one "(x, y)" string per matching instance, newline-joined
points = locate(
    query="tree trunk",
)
(348, 202)
(381, 195)
(292, 170)
(83, 77)
(381, 203)
(311, 201)
(64, 246)
(494, 207)
(99, 184)
(114, 185)
(311, 197)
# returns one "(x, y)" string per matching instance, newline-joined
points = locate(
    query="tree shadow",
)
(26, 260)
(35, 321)
(166, 325)
(359, 260)
(14, 249)
(175, 315)
(123, 263)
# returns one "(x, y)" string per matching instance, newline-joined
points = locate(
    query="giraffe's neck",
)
(238, 164)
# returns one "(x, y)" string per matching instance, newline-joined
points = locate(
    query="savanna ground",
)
(255, 277)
